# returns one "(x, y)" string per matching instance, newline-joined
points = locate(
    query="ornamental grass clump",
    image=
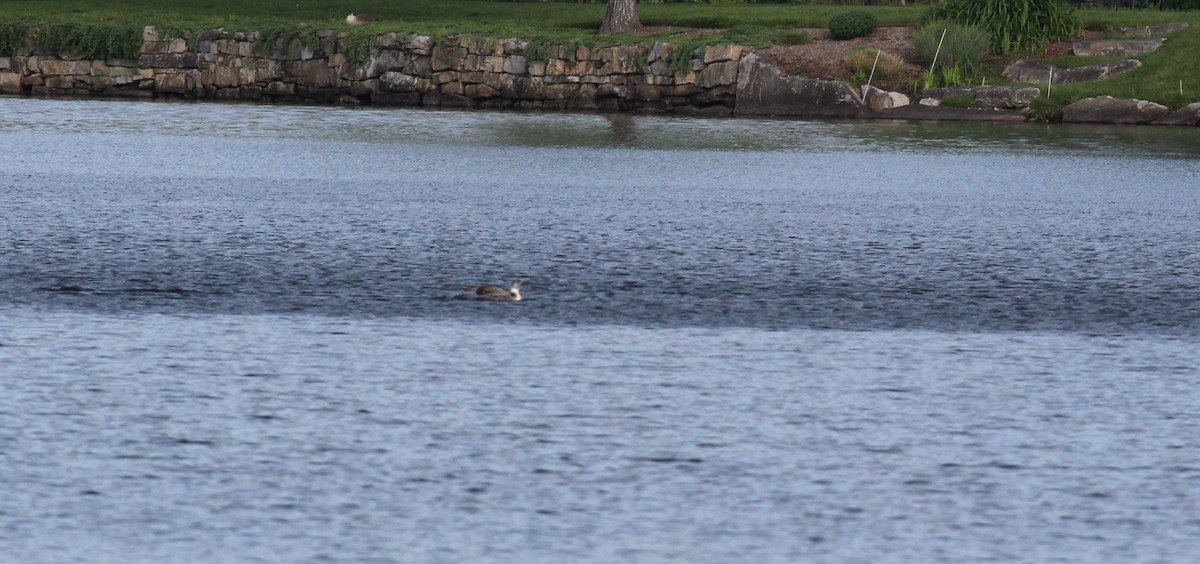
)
(862, 61)
(962, 49)
(855, 23)
(1014, 25)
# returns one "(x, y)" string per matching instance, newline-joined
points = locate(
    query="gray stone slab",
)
(1159, 30)
(996, 97)
(1115, 47)
(1106, 109)
(1038, 73)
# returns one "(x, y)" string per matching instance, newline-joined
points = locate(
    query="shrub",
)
(963, 48)
(855, 23)
(1014, 25)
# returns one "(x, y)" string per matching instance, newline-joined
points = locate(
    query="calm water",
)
(233, 333)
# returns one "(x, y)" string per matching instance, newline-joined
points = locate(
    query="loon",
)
(355, 19)
(491, 292)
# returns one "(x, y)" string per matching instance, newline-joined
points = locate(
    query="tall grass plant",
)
(962, 49)
(1015, 26)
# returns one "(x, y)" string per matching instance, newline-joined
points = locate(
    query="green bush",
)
(963, 48)
(1014, 25)
(855, 23)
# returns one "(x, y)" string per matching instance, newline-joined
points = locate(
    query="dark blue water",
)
(233, 333)
(781, 239)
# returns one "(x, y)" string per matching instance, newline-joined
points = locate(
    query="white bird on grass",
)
(359, 19)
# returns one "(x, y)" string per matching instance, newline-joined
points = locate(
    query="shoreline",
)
(504, 74)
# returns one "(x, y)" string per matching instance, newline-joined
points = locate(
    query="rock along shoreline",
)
(475, 72)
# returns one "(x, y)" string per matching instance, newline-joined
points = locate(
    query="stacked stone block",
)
(412, 70)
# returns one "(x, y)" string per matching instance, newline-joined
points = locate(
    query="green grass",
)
(1097, 19)
(544, 23)
(429, 16)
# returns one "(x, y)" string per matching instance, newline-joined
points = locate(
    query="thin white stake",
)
(939, 50)
(1049, 81)
(880, 52)
(1181, 88)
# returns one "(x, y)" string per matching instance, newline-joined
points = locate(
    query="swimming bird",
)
(359, 19)
(492, 292)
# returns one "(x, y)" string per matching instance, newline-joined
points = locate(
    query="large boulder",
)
(762, 90)
(878, 100)
(1038, 73)
(995, 97)
(1106, 109)
(1188, 115)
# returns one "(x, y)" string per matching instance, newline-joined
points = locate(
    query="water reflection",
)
(517, 129)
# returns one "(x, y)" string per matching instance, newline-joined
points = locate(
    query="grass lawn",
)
(429, 16)
(758, 25)
(95, 23)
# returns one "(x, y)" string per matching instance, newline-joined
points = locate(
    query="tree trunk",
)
(620, 16)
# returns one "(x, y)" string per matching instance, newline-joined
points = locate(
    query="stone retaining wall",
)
(414, 70)
(473, 72)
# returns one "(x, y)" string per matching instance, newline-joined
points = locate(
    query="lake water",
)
(234, 333)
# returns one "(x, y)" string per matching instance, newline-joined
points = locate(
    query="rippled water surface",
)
(235, 333)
